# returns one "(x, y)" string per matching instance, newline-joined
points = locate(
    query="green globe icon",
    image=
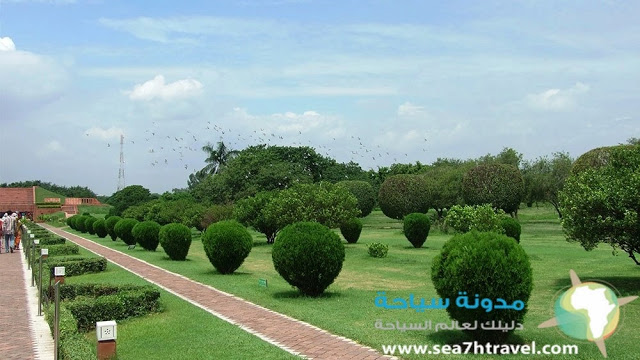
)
(588, 311)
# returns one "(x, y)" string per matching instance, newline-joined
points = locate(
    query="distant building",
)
(35, 201)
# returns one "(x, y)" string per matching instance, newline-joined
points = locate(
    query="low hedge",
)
(78, 266)
(52, 241)
(126, 302)
(61, 249)
(72, 344)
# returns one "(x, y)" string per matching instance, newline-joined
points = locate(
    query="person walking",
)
(17, 232)
(1, 232)
(8, 228)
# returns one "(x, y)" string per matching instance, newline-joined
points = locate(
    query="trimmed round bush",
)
(175, 240)
(70, 221)
(351, 230)
(416, 228)
(88, 224)
(511, 227)
(490, 265)
(100, 228)
(146, 234)
(500, 185)
(595, 158)
(110, 223)
(123, 230)
(227, 243)
(79, 222)
(308, 256)
(378, 250)
(364, 193)
(403, 194)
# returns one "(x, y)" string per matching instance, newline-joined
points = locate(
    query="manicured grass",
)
(181, 331)
(42, 193)
(348, 309)
(98, 211)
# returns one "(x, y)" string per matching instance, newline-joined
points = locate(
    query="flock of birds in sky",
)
(166, 148)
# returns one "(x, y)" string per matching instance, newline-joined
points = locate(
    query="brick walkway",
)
(292, 335)
(23, 335)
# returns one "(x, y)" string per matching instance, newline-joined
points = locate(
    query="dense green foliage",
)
(110, 223)
(129, 196)
(378, 250)
(544, 178)
(88, 224)
(595, 158)
(500, 185)
(79, 223)
(416, 228)
(404, 194)
(72, 345)
(215, 213)
(164, 211)
(601, 204)
(511, 227)
(308, 256)
(175, 240)
(146, 234)
(364, 193)
(100, 228)
(251, 212)
(490, 265)
(445, 182)
(227, 243)
(462, 219)
(77, 265)
(322, 202)
(351, 230)
(123, 230)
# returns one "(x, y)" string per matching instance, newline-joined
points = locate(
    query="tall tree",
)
(217, 157)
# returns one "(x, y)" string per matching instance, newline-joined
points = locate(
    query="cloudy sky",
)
(373, 81)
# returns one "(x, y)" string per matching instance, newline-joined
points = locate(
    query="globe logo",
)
(587, 311)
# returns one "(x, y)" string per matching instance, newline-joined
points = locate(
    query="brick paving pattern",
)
(16, 340)
(285, 332)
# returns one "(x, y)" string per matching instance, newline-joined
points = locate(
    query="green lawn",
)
(181, 331)
(348, 307)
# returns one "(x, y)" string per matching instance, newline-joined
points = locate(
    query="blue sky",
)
(414, 80)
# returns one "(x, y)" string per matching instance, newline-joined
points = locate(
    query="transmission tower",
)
(121, 182)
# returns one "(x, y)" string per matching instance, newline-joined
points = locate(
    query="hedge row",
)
(72, 344)
(123, 304)
(78, 266)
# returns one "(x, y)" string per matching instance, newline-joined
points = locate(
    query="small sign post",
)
(262, 283)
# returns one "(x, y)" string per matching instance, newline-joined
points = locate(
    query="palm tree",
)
(217, 157)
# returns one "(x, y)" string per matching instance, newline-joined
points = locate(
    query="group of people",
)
(11, 231)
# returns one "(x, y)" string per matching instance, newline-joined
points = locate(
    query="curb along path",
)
(294, 336)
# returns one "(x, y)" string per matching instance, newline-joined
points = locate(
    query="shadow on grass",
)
(213, 271)
(625, 285)
(295, 294)
(261, 243)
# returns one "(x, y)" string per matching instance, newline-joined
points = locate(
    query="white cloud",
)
(105, 134)
(409, 109)
(54, 146)
(157, 89)
(557, 99)
(6, 44)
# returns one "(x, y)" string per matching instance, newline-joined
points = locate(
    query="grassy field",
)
(348, 309)
(181, 331)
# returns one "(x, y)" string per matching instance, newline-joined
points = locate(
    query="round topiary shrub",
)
(100, 228)
(70, 221)
(416, 228)
(79, 222)
(511, 227)
(123, 230)
(378, 250)
(110, 223)
(309, 256)
(175, 240)
(403, 194)
(500, 185)
(595, 158)
(146, 234)
(227, 243)
(364, 193)
(490, 265)
(88, 224)
(351, 230)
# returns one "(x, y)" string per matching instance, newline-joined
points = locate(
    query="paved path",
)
(23, 334)
(294, 336)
